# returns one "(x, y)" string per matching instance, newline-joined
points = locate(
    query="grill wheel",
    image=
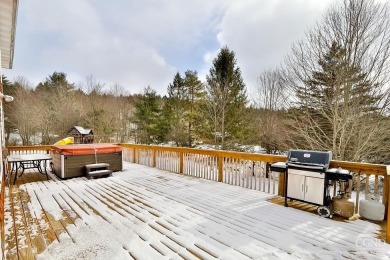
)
(324, 211)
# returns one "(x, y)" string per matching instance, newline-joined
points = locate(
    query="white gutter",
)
(2, 140)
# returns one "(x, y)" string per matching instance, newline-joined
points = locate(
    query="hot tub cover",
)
(86, 149)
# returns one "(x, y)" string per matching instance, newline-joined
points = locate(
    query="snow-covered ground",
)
(146, 213)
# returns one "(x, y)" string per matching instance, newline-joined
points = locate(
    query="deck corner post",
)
(220, 168)
(281, 184)
(387, 178)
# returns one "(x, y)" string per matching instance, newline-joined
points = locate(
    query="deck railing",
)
(243, 169)
(28, 149)
(252, 170)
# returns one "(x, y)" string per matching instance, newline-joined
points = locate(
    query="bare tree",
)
(69, 107)
(269, 116)
(341, 97)
(59, 105)
(25, 115)
(94, 101)
(121, 111)
(214, 111)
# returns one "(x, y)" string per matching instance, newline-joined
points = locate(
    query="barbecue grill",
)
(308, 178)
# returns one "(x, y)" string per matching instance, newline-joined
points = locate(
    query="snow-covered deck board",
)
(146, 213)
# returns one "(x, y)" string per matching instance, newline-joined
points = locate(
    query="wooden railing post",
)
(220, 168)
(357, 192)
(281, 184)
(385, 191)
(154, 157)
(181, 163)
(134, 157)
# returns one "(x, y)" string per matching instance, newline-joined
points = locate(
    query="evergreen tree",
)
(58, 113)
(335, 100)
(176, 107)
(226, 100)
(150, 118)
(184, 95)
(8, 89)
(195, 97)
(357, 129)
(53, 82)
(176, 90)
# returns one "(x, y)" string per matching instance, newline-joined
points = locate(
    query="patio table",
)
(21, 162)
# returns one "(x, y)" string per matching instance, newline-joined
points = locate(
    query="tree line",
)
(330, 93)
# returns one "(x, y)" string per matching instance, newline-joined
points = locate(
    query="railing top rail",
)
(29, 148)
(225, 154)
(367, 168)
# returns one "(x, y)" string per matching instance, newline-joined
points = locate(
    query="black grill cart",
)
(308, 178)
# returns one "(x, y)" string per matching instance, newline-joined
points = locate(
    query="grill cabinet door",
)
(295, 186)
(314, 190)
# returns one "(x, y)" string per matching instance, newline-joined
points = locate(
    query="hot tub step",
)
(97, 166)
(99, 173)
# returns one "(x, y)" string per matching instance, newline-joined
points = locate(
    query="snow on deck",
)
(146, 213)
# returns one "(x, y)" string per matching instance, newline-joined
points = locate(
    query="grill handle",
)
(309, 167)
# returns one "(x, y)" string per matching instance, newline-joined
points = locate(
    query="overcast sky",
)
(144, 43)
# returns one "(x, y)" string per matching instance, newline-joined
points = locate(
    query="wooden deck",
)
(313, 210)
(145, 213)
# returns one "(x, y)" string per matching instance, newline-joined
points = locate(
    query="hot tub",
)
(69, 160)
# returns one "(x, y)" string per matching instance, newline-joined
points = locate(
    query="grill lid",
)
(309, 159)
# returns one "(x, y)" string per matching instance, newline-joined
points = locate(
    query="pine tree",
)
(333, 102)
(8, 89)
(226, 100)
(195, 96)
(150, 118)
(176, 107)
(53, 91)
(53, 82)
(184, 96)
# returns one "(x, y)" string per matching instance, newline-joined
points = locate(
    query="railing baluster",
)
(188, 166)
(376, 186)
(201, 164)
(357, 192)
(263, 179)
(367, 184)
(234, 168)
(242, 173)
(229, 170)
(273, 182)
